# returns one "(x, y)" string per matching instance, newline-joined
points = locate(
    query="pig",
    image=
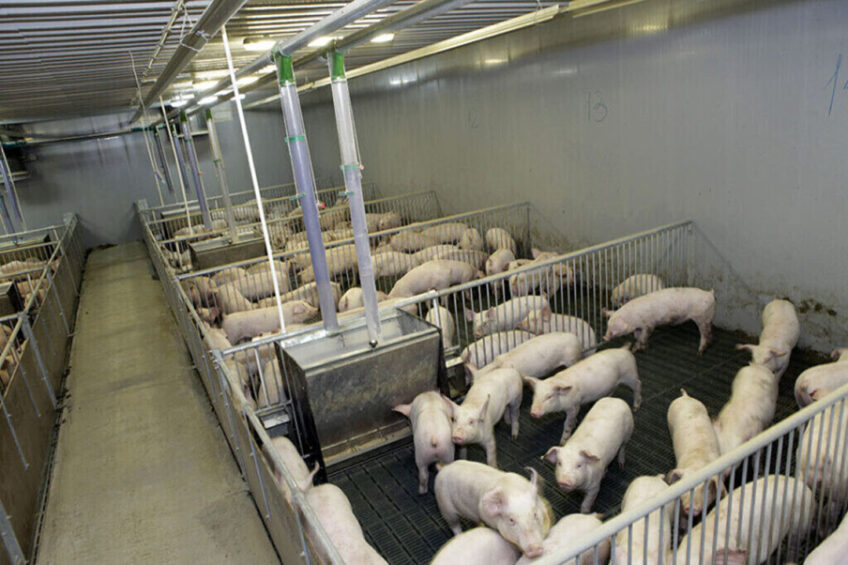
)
(392, 263)
(440, 316)
(750, 410)
(307, 293)
(409, 241)
(433, 275)
(503, 501)
(260, 285)
(819, 381)
(333, 511)
(294, 245)
(227, 275)
(538, 357)
(200, 290)
(587, 380)
(282, 268)
(695, 446)
(543, 321)
(241, 325)
(389, 221)
(833, 549)
(634, 286)
(430, 417)
(545, 280)
(448, 232)
(781, 330)
(493, 395)
(339, 213)
(230, 300)
(567, 534)
(582, 461)
(667, 306)
(340, 259)
(478, 546)
(209, 315)
(216, 339)
(291, 459)
(630, 544)
(433, 252)
(353, 299)
(339, 234)
(498, 261)
(512, 265)
(506, 316)
(271, 390)
(477, 259)
(772, 507)
(821, 456)
(483, 351)
(499, 238)
(471, 239)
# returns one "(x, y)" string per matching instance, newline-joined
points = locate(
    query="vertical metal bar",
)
(255, 457)
(160, 152)
(58, 302)
(188, 140)
(12, 430)
(10, 540)
(221, 173)
(27, 328)
(11, 191)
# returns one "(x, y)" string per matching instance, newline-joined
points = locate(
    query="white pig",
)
(582, 462)
(282, 268)
(821, 456)
(440, 317)
(307, 292)
(433, 275)
(592, 378)
(231, 300)
(479, 353)
(542, 321)
(819, 381)
(781, 330)
(750, 410)
(241, 325)
(430, 417)
(448, 232)
(544, 280)
(409, 241)
(493, 395)
(271, 391)
(432, 252)
(353, 299)
(667, 306)
(567, 534)
(833, 549)
(477, 259)
(479, 546)
(505, 316)
(506, 502)
(340, 259)
(695, 446)
(498, 261)
(538, 357)
(633, 286)
(630, 544)
(227, 275)
(292, 460)
(392, 263)
(260, 285)
(471, 239)
(781, 505)
(499, 238)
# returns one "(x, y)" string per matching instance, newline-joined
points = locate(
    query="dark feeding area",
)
(407, 528)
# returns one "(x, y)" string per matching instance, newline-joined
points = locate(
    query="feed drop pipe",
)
(10, 189)
(195, 172)
(180, 176)
(218, 159)
(304, 180)
(352, 171)
(160, 151)
(7, 219)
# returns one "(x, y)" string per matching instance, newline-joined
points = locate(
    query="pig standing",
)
(230, 300)
(819, 381)
(271, 391)
(494, 395)
(241, 325)
(392, 263)
(567, 533)
(634, 286)
(630, 544)
(582, 462)
(782, 505)
(833, 549)
(307, 293)
(506, 502)
(471, 239)
(430, 417)
(538, 357)
(476, 259)
(750, 410)
(479, 546)
(353, 299)
(505, 316)
(260, 285)
(542, 321)
(448, 232)
(781, 330)
(409, 241)
(668, 306)
(433, 275)
(499, 238)
(440, 317)
(291, 459)
(592, 378)
(821, 456)
(695, 446)
(498, 261)
(340, 259)
(433, 252)
(227, 275)
(482, 351)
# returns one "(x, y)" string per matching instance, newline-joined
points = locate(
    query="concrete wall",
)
(721, 111)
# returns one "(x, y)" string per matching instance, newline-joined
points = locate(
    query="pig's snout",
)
(478, 333)
(534, 551)
(565, 484)
(457, 439)
(535, 413)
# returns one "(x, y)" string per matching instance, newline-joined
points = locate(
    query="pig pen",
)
(381, 484)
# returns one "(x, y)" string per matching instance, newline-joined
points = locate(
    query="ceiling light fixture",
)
(321, 41)
(257, 44)
(206, 75)
(383, 38)
(205, 85)
(208, 100)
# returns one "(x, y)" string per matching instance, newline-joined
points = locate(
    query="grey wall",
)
(636, 117)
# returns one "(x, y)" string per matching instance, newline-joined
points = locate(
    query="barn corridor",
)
(142, 471)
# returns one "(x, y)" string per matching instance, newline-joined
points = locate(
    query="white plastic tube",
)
(221, 173)
(180, 176)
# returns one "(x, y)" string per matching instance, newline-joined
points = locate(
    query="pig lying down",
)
(634, 286)
(430, 417)
(670, 306)
(483, 351)
(582, 462)
(503, 501)
(505, 316)
(819, 381)
(538, 357)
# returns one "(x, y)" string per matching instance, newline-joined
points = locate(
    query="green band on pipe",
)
(352, 166)
(208, 113)
(297, 196)
(295, 138)
(285, 72)
(183, 117)
(337, 69)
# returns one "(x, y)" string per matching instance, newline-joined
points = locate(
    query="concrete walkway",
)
(143, 473)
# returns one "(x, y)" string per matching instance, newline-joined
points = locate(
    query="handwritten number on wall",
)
(596, 110)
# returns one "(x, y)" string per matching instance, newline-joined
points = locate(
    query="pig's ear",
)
(562, 389)
(535, 252)
(774, 354)
(469, 315)
(673, 476)
(683, 392)
(588, 456)
(835, 354)
(551, 455)
(715, 489)
(490, 314)
(404, 409)
(534, 477)
(546, 313)
(730, 557)
(531, 381)
(485, 407)
(748, 346)
(299, 308)
(450, 404)
(493, 502)
(607, 312)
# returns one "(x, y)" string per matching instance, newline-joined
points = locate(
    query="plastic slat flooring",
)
(407, 528)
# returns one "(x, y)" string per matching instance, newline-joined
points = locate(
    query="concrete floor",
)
(143, 473)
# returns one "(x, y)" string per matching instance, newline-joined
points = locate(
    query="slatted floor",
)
(407, 528)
